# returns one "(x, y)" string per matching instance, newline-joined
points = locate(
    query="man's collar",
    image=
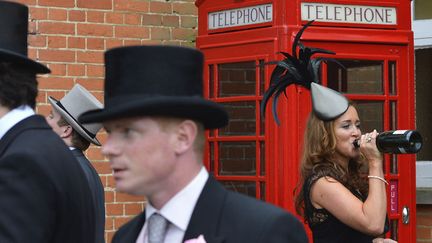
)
(184, 199)
(14, 116)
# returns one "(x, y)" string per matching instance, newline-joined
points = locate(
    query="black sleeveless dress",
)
(325, 227)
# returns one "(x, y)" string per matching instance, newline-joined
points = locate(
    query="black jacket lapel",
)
(206, 216)
(129, 232)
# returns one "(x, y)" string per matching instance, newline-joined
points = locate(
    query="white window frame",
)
(422, 31)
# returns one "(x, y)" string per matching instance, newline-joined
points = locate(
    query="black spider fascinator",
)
(301, 69)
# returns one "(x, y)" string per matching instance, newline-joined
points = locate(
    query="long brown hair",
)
(319, 149)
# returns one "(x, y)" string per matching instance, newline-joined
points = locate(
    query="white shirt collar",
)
(178, 210)
(13, 117)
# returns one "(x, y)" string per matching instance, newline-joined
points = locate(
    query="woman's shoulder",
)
(320, 176)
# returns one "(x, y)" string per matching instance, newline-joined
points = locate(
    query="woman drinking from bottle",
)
(339, 202)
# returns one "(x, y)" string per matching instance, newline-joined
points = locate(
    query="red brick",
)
(43, 110)
(133, 208)
(132, 19)
(102, 167)
(96, 16)
(95, 43)
(132, 42)
(424, 220)
(55, 83)
(95, 70)
(77, 15)
(32, 28)
(42, 97)
(119, 221)
(57, 14)
(111, 182)
(75, 70)
(102, 134)
(38, 13)
(57, 69)
(95, 30)
(135, 6)
(55, 94)
(160, 34)
(76, 42)
(32, 53)
(152, 42)
(28, 2)
(160, 7)
(123, 197)
(57, 28)
(90, 56)
(189, 22)
(424, 233)
(109, 196)
(103, 179)
(109, 236)
(170, 21)
(114, 209)
(57, 55)
(94, 154)
(183, 34)
(95, 4)
(152, 19)
(114, 18)
(185, 8)
(111, 43)
(57, 3)
(131, 32)
(93, 85)
(57, 42)
(37, 41)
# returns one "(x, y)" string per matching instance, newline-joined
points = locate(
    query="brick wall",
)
(70, 36)
(424, 223)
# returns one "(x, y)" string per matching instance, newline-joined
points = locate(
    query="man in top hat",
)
(155, 116)
(44, 193)
(63, 119)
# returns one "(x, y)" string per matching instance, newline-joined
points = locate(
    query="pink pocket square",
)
(200, 239)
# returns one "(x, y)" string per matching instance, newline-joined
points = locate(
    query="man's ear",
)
(66, 131)
(186, 133)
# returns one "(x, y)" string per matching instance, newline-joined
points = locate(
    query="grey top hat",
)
(299, 68)
(72, 105)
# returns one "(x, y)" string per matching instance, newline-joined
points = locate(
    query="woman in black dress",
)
(339, 202)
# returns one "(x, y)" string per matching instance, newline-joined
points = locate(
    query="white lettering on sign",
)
(339, 13)
(240, 16)
(393, 197)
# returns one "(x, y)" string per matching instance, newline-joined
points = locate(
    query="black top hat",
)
(156, 81)
(13, 36)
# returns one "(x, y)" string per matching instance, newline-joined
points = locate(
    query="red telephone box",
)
(372, 39)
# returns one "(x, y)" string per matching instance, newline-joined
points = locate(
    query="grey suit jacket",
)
(98, 194)
(225, 216)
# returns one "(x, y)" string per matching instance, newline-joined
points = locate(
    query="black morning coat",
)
(44, 194)
(223, 216)
(97, 190)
